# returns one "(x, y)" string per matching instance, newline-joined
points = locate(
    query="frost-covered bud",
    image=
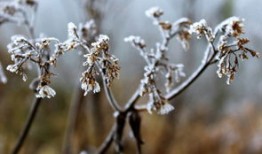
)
(90, 59)
(72, 30)
(45, 91)
(89, 83)
(159, 104)
(236, 26)
(165, 25)
(12, 68)
(90, 87)
(102, 43)
(154, 12)
(233, 26)
(136, 41)
(201, 28)
(103, 38)
(198, 27)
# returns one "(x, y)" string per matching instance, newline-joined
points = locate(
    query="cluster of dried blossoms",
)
(39, 51)
(226, 50)
(157, 62)
(229, 47)
(18, 12)
(232, 47)
(99, 58)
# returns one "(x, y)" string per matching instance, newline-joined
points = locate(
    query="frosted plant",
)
(225, 46)
(232, 46)
(24, 52)
(20, 12)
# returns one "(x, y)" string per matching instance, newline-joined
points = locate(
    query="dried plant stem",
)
(27, 125)
(110, 97)
(183, 86)
(72, 116)
(175, 92)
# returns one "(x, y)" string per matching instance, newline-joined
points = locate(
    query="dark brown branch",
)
(27, 126)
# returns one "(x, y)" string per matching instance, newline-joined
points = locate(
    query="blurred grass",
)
(194, 130)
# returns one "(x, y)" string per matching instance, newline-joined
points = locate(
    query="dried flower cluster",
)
(24, 52)
(225, 46)
(201, 28)
(157, 62)
(230, 46)
(180, 28)
(99, 58)
(38, 51)
(226, 52)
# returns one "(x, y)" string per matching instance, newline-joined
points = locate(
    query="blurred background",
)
(210, 116)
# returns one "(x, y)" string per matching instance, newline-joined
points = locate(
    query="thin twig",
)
(175, 92)
(110, 97)
(27, 126)
(132, 101)
(130, 104)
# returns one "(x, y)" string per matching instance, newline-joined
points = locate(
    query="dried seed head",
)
(159, 104)
(165, 25)
(102, 43)
(88, 82)
(201, 28)
(154, 12)
(232, 26)
(136, 41)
